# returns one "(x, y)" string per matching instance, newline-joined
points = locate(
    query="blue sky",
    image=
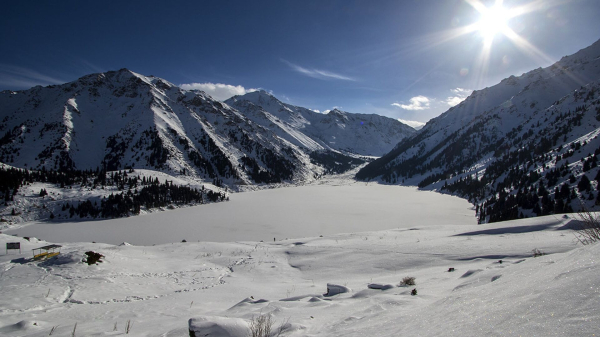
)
(403, 59)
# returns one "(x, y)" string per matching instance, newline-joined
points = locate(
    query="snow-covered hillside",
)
(496, 287)
(44, 195)
(371, 135)
(524, 137)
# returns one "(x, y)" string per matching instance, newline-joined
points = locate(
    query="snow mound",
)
(218, 326)
(249, 301)
(334, 289)
(380, 286)
(471, 272)
(22, 326)
(315, 299)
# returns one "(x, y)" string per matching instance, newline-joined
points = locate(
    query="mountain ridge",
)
(472, 148)
(122, 119)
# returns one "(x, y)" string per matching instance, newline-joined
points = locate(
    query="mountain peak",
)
(258, 97)
(263, 92)
(257, 94)
(337, 112)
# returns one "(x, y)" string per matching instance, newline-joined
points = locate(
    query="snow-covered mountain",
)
(371, 135)
(499, 142)
(122, 119)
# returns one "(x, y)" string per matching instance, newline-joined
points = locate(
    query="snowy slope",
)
(28, 204)
(523, 125)
(497, 286)
(363, 134)
(524, 95)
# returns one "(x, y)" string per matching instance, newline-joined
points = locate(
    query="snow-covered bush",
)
(536, 252)
(589, 231)
(261, 326)
(408, 281)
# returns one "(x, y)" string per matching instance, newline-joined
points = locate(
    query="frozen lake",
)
(290, 212)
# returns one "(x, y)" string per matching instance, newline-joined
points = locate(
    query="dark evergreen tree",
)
(584, 184)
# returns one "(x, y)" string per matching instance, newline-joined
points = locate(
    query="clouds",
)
(218, 91)
(421, 107)
(460, 95)
(14, 77)
(316, 73)
(416, 103)
(413, 124)
(421, 102)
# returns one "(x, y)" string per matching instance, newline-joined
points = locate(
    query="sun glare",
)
(487, 23)
(493, 21)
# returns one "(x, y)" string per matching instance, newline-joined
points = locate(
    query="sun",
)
(493, 20)
(487, 23)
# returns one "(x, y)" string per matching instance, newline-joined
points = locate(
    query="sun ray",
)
(494, 21)
(527, 47)
(482, 64)
(535, 53)
(536, 6)
(439, 38)
(477, 5)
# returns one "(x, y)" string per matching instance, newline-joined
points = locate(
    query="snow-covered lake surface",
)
(333, 207)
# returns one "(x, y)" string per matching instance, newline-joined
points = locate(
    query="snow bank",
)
(218, 327)
(334, 289)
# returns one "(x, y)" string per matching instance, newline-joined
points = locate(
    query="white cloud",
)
(466, 92)
(460, 95)
(414, 124)
(452, 101)
(316, 73)
(416, 103)
(218, 91)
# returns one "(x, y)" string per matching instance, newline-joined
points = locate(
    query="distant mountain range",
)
(121, 119)
(364, 134)
(513, 147)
